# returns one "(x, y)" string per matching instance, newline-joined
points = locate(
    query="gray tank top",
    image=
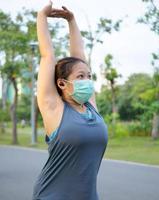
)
(75, 155)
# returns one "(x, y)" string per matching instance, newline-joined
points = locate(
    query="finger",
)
(57, 10)
(64, 7)
(50, 2)
(56, 15)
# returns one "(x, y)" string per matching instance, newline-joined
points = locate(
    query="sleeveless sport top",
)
(75, 155)
(87, 114)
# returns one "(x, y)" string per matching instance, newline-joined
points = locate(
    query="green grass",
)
(137, 149)
(24, 138)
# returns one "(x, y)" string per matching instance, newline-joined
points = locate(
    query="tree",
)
(103, 101)
(130, 103)
(155, 105)
(110, 74)
(13, 43)
(151, 18)
(152, 97)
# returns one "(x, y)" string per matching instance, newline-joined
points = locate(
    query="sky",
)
(131, 47)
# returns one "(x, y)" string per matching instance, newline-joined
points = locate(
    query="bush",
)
(109, 117)
(4, 115)
(118, 130)
(137, 129)
(125, 129)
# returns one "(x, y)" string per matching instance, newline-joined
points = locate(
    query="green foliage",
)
(136, 100)
(14, 46)
(110, 117)
(108, 60)
(151, 16)
(110, 73)
(24, 108)
(148, 95)
(103, 101)
(155, 107)
(138, 129)
(13, 39)
(120, 130)
(128, 129)
(107, 25)
(156, 78)
(130, 99)
(4, 115)
(117, 130)
(94, 76)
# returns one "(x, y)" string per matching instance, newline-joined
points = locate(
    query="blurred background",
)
(122, 47)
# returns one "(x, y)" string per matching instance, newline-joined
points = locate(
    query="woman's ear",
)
(61, 84)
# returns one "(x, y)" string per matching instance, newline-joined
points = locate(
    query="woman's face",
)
(80, 71)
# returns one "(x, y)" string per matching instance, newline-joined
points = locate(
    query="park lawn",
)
(24, 138)
(136, 149)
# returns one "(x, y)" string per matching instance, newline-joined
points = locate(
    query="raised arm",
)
(46, 88)
(77, 45)
(76, 42)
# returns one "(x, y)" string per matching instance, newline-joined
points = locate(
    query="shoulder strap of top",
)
(91, 106)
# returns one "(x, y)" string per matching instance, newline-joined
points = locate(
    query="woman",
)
(75, 132)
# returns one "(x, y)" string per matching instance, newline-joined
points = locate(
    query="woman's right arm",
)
(49, 102)
(47, 95)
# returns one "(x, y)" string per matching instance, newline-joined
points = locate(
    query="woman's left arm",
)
(76, 42)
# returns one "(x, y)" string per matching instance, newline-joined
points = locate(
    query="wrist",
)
(42, 13)
(71, 20)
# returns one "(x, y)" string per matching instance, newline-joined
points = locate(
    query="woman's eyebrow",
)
(84, 72)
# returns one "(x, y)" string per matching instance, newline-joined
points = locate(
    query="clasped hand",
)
(49, 11)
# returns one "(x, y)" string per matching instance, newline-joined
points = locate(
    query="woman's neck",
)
(75, 105)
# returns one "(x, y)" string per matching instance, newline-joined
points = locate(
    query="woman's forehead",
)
(81, 67)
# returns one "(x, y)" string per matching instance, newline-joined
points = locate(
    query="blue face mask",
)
(82, 90)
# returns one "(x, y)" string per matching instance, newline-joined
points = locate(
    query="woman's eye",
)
(90, 76)
(80, 76)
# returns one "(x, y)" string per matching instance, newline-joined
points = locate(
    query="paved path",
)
(19, 168)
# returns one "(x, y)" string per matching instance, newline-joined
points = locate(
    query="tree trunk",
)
(4, 93)
(114, 107)
(13, 113)
(36, 119)
(155, 126)
(114, 110)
